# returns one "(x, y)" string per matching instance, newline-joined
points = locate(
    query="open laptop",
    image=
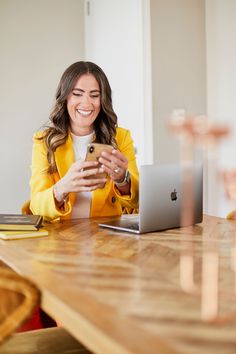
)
(161, 198)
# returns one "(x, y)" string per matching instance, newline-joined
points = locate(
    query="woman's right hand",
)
(81, 177)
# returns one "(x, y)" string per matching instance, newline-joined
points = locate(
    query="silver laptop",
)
(162, 195)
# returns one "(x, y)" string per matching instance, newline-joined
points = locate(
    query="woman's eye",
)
(77, 94)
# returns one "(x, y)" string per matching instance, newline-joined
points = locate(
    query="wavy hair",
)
(104, 125)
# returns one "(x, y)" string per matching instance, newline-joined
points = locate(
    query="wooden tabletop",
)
(165, 292)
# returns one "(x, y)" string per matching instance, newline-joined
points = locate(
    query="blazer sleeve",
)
(42, 200)
(126, 146)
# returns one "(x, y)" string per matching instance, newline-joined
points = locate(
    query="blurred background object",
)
(19, 298)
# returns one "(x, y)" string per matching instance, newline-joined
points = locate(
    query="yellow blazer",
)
(105, 202)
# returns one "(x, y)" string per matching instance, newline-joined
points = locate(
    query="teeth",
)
(84, 113)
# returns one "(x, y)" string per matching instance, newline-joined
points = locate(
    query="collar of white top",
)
(84, 139)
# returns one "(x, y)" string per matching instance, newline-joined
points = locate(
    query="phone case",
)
(94, 151)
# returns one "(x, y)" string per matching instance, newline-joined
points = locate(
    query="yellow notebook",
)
(14, 235)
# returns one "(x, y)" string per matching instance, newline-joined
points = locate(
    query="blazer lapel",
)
(64, 156)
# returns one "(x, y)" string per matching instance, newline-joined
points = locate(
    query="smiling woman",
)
(83, 105)
(63, 184)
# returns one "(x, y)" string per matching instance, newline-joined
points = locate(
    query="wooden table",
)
(165, 292)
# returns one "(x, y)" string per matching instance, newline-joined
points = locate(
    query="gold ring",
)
(117, 169)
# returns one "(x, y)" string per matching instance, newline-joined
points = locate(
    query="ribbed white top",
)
(81, 208)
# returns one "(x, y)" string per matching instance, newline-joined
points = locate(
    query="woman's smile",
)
(84, 113)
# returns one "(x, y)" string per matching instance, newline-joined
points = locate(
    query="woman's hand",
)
(115, 164)
(81, 177)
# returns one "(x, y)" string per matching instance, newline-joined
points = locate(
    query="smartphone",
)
(94, 151)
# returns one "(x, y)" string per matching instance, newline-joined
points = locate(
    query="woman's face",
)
(83, 104)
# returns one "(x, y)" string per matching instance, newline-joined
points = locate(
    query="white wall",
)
(38, 40)
(117, 38)
(221, 90)
(178, 67)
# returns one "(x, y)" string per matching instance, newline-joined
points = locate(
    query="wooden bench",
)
(18, 299)
(43, 341)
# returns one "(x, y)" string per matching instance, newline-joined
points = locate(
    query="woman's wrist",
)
(60, 196)
(124, 185)
(124, 181)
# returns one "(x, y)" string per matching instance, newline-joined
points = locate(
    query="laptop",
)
(161, 199)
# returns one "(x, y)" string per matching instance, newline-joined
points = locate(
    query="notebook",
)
(15, 235)
(161, 198)
(20, 222)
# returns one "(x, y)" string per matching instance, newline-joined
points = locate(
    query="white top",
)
(81, 208)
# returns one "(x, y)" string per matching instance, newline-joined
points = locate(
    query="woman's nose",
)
(85, 99)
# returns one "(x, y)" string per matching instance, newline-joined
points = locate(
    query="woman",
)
(63, 184)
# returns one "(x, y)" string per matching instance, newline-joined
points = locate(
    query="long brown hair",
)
(105, 123)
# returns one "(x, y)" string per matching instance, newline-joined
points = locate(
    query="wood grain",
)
(123, 293)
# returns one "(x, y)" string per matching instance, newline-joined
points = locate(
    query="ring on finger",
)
(117, 170)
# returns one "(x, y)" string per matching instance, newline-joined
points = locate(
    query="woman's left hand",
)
(115, 164)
